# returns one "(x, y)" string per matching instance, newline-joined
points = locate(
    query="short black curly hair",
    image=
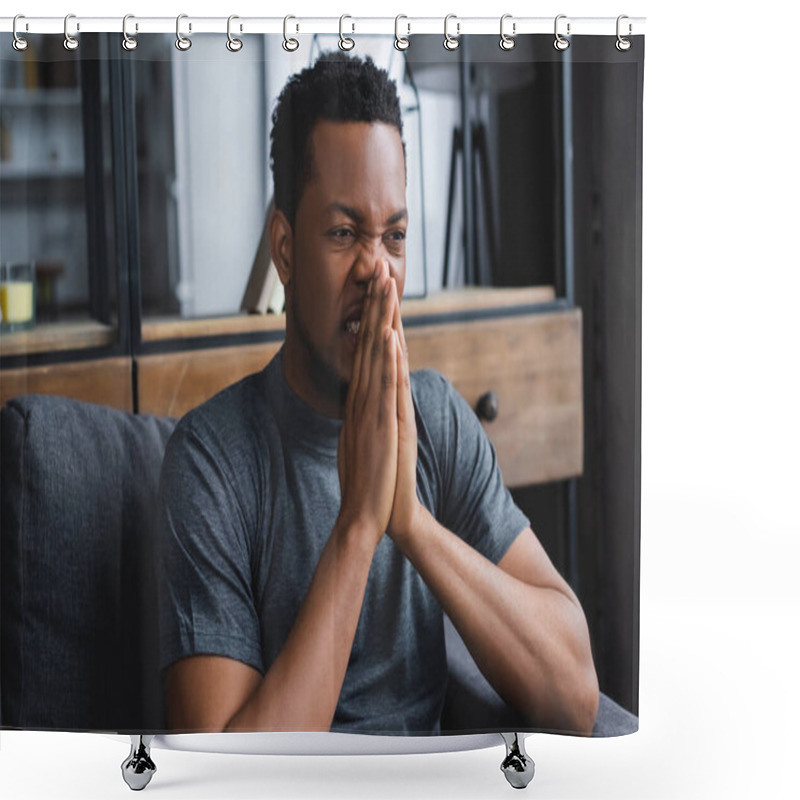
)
(339, 88)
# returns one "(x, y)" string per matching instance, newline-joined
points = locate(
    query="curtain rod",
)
(513, 26)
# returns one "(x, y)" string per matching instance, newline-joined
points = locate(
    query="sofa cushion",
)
(78, 643)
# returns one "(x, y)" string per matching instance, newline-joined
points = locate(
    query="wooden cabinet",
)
(106, 381)
(519, 347)
(173, 383)
(531, 364)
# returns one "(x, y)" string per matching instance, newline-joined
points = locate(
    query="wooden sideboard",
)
(518, 347)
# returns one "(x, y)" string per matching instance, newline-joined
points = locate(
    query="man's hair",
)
(338, 88)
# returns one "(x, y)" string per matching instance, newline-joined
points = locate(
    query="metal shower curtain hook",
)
(345, 42)
(70, 42)
(401, 42)
(622, 44)
(233, 44)
(19, 44)
(507, 42)
(289, 44)
(560, 42)
(128, 42)
(451, 42)
(182, 42)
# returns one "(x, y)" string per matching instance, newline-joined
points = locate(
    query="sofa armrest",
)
(78, 615)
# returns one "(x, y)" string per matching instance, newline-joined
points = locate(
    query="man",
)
(318, 516)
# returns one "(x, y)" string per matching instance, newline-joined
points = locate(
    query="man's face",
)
(352, 215)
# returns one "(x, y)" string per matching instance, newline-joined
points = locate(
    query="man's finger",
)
(368, 334)
(341, 460)
(388, 399)
(405, 405)
(354, 380)
(397, 324)
(378, 366)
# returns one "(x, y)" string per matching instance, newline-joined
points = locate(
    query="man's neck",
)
(311, 382)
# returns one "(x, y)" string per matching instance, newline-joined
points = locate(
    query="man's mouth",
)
(353, 326)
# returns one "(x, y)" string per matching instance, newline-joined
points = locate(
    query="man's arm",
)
(301, 689)
(520, 620)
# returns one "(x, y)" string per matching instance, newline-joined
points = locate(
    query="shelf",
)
(40, 98)
(47, 337)
(18, 172)
(43, 191)
(469, 298)
(159, 329)
(475, 298)
(53, 336)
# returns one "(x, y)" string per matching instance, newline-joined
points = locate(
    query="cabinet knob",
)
(488, 406)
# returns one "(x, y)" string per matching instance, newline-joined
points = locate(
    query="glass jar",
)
(17, 296)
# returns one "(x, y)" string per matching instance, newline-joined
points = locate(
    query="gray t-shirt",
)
(249, 495)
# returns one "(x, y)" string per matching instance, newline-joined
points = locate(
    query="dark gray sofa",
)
(78, 602)
(78, 621)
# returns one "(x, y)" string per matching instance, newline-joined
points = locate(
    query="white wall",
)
(221, 171)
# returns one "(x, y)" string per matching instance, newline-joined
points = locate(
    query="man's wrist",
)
(356, 531)
(413, 528)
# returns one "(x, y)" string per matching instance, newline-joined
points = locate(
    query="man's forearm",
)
(531, 642)
(301, 688)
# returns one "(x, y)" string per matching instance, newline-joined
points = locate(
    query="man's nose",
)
(368, 258)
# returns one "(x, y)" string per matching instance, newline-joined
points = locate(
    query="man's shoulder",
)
(226, 415)
(442, 408)
(434, 400)
(215, 455)
(428, 385)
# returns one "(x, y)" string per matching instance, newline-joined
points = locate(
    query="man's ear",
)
(280, 245)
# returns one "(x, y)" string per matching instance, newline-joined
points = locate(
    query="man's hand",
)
(367, 456)
(406, 504)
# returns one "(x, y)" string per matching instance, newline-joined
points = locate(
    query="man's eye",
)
(342, 233)
(397, 236)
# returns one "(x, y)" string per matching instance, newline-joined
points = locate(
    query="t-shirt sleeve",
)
(475, 503)
(206, 603)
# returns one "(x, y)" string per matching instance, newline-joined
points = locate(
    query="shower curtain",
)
(206, 233)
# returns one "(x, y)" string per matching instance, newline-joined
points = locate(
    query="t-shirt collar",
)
(297, 418)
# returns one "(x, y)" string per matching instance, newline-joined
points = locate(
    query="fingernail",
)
(387, 288)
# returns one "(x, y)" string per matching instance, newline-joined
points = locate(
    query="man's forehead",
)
(356, 168)
(356, 212)
(325, 128)
(339, 145)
